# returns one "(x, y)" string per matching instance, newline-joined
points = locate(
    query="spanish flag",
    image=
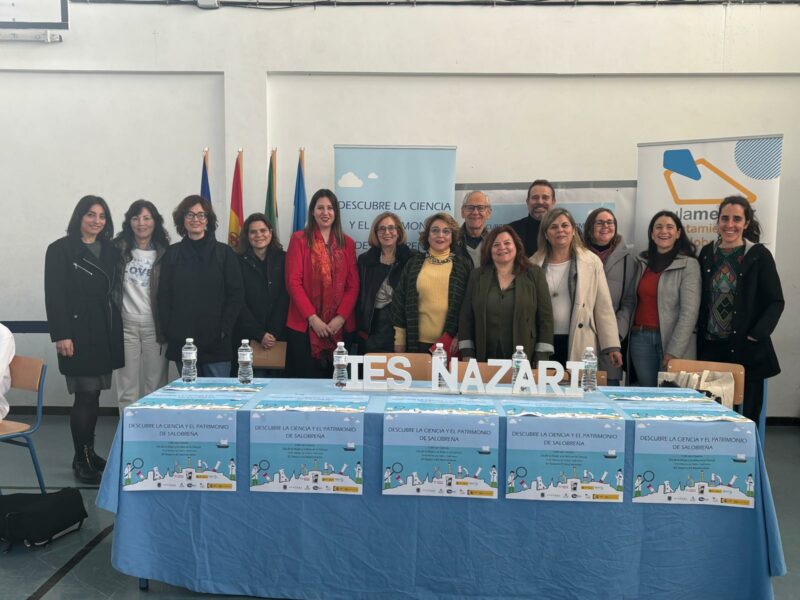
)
(237, 213)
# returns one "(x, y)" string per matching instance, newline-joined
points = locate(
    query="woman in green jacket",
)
(507, 303)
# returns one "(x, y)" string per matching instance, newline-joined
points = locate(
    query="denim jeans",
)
(646, 356)
(216, 369)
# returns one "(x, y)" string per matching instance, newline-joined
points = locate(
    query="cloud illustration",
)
(641, 426)
(372, 175)
(388, 417)
(350, 180)
(255, 415)
(607, 426)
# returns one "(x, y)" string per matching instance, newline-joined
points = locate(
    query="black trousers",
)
(299, 362)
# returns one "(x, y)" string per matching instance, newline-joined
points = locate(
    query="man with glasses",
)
(476, 210)
(541, 198)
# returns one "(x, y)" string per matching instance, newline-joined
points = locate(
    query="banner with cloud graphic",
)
(692, 177)
(413, 182)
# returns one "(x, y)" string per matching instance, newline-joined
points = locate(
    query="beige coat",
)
(593, 321)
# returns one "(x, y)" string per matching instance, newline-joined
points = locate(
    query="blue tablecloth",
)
(372, 546)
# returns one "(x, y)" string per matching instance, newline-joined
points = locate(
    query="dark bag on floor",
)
(38, 519)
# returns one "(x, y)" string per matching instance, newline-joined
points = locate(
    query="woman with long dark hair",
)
(667, 293)
(582, 311)
(322, 281)
(80, 274)
(742, 301)
(601, 236)
(379, 271)
(266, 303)
(142, 244)
(200, 290)
(507, 303)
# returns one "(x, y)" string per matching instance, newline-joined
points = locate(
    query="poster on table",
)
(438, 448)
(692, 177)
(653, 394)
(680, 411)
(308, 445)
(564, 451)
(509, 200)
(708, 464)
(179, 449)
(411, 181)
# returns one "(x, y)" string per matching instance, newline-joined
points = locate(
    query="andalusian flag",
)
(205, 190)
(237, 212)
(300, 202)
(271, 207)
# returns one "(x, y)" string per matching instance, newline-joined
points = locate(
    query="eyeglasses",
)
(609, 223)
(441, 231)
(142, 219)
(192, 216)
(387, 229)
(478, 208)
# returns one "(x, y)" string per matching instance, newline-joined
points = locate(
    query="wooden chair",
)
(420, 368)
(27, 374)
(676, 365)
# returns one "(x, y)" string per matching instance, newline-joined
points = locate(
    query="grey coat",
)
(678, 305)
(620, 269)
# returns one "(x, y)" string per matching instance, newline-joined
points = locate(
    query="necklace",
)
(554, 287)
(439, 261)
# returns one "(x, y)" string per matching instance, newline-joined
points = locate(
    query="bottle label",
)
(189, 355)
(340, 361)
(245, 356)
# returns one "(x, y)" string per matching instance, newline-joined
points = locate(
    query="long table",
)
(374, 546)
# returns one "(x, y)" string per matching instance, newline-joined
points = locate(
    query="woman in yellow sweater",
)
(428, 298)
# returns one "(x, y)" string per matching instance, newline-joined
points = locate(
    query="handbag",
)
(38, 519)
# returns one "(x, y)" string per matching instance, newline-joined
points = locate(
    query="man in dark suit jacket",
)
(541, 198)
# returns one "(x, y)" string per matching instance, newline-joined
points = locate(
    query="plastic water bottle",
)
(589, 376)
(189, 357)
(440, 355)
(245, 362)
(516, 363)
(340, 365)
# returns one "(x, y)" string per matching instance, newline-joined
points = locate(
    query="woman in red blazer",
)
(322, 281)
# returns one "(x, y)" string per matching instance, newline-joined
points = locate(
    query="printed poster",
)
(412, 182)
(179, 449)
(653, 394)
(300, 444)
(692, 177)
(564, 451)
(706, 464)
(680, 411)
(436, 448)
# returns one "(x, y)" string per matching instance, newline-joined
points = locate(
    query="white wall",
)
(125, 105)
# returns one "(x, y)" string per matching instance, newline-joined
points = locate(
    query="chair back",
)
(28, 374)
(676, 365)
(420, 368)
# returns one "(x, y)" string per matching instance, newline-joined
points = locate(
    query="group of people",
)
(126, 304)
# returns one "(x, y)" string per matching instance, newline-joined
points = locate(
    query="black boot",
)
(83, 467)
(98, 462)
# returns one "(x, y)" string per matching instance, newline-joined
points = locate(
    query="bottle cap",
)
(589, 349)
(520, 348)
(189, 340)
(439, 345)
(340, 344)
(246, 341)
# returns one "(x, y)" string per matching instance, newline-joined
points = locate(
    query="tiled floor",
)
(28, 574)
